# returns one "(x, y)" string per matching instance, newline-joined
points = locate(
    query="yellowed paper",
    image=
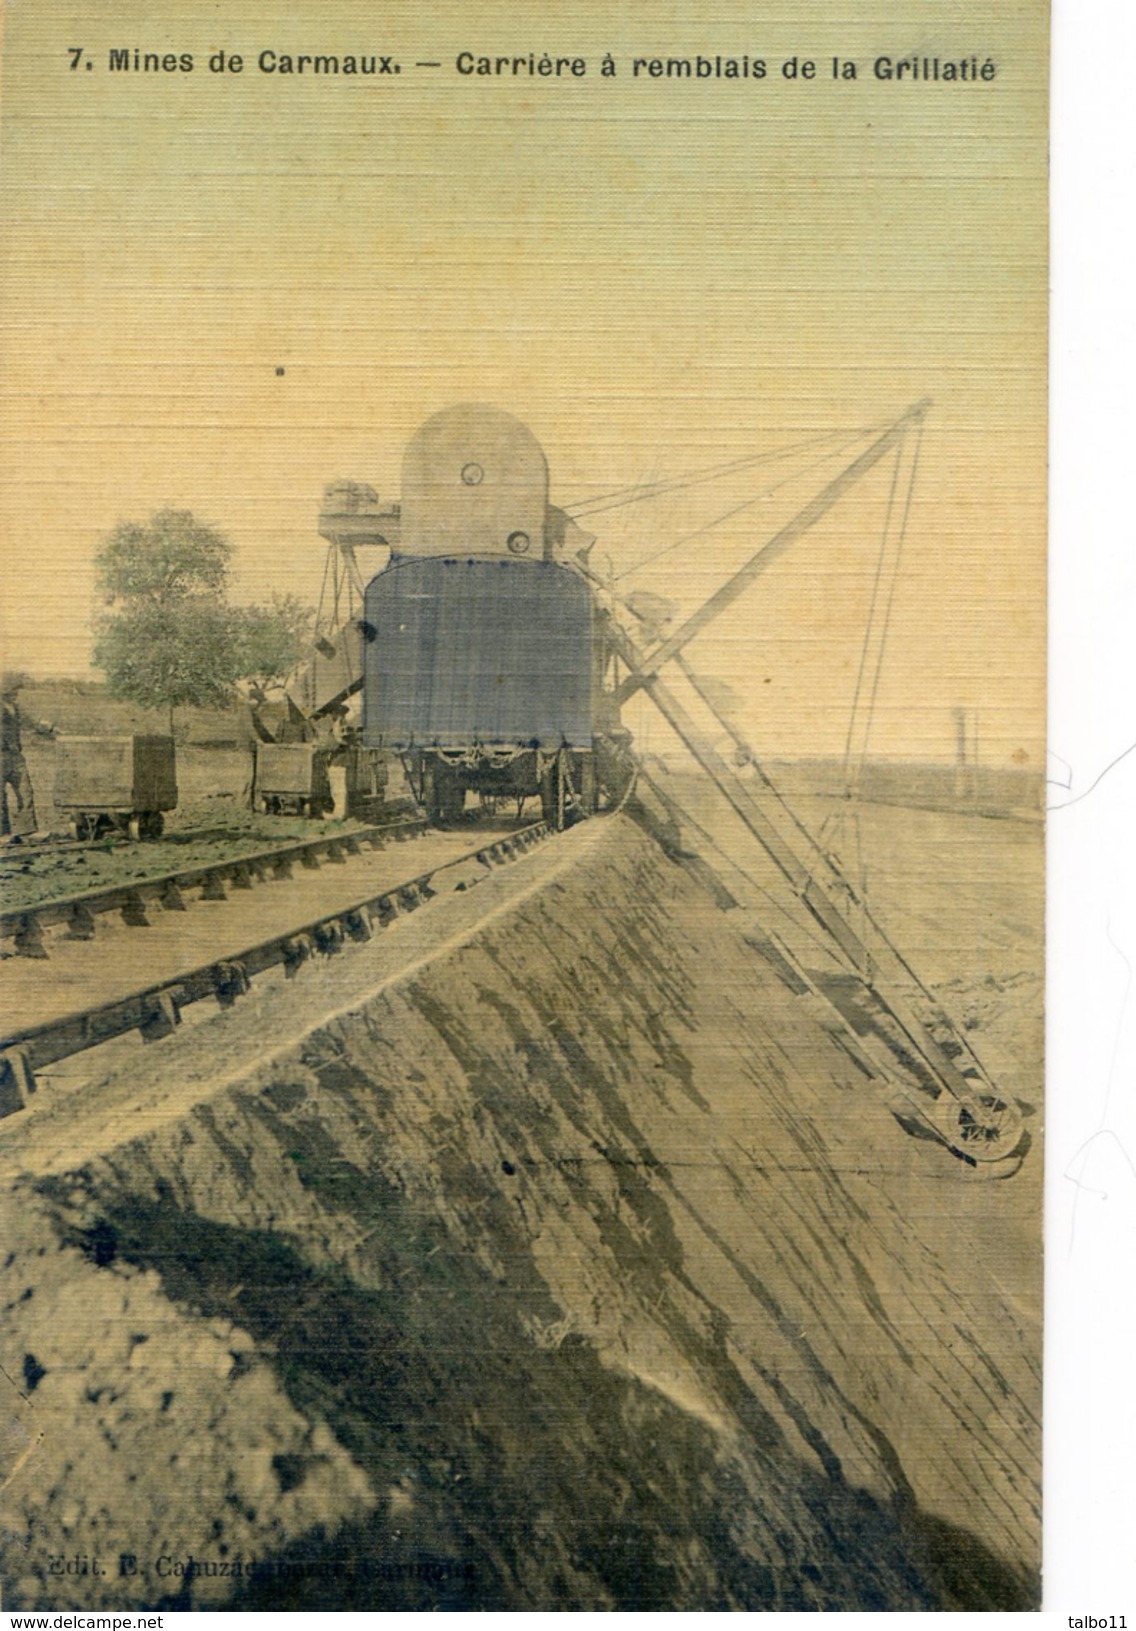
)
(625, 1191)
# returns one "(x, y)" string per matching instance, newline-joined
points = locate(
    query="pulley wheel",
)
(983, 1127)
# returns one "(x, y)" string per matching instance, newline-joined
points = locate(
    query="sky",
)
(655, 274)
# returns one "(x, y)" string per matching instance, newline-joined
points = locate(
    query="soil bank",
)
(553, 1255)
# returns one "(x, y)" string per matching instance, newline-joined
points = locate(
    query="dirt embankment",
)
(579, 1268)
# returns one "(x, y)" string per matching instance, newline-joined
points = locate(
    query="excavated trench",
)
(555, 1255)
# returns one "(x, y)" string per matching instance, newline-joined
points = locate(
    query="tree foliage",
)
(169, 638)
(169, 656)
(271, 639)
(169, 559)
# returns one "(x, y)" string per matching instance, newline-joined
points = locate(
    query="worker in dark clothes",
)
(17, 789)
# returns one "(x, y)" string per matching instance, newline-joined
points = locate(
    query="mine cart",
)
(291, 779)
(115, 783)
(315, 779)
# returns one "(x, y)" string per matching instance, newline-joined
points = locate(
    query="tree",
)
(169, 638)
(169, 559)
(272, 639)
(169, 656)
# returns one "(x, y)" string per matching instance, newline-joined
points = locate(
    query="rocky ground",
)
(549, 1252)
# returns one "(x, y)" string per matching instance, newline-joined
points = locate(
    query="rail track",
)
(154, 1008)
(27, 931)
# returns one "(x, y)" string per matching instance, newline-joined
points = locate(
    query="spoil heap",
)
(548, 1253)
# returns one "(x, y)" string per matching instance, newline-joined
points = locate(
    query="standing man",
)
(17, 783)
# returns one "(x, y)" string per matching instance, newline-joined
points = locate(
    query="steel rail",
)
(155, 1011)
(22, 928)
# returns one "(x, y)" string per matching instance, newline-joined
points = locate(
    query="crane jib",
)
(801, 523)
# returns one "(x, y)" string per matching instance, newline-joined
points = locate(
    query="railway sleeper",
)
(329, 936)
(230, 981)
(358, 925)
(17, 1080)
(296, 951)
(133, 911)
(28, 938)
(163, 1018)
(80, 924)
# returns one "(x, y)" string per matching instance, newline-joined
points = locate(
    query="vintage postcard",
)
(522, 870)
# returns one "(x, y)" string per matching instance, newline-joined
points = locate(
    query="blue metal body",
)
(475, 653)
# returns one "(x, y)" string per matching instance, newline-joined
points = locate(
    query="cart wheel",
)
(306, 809)
(153, 824)
(262, 803)
(134, 827)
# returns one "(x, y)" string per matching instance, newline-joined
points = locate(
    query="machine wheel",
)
(548, 794)
(588, 785)
(442, 793)
(615, 767)
(431, 798)
(454, 800)
(554, 793)
(984, 1127)
(153, 824)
